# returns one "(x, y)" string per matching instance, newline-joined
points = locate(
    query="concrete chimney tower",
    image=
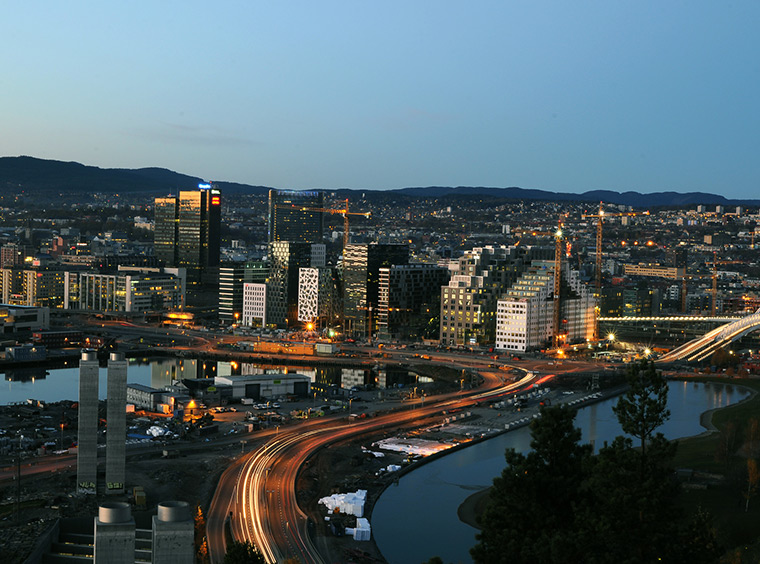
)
(114, 534)
(173, 534)
(116, 435)
(87, 451)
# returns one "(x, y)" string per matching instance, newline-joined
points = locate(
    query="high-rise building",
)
(361, 281)
(188, 231)
(165, 230)
(87, 438)
(679, 257)
(11, 254)
(285, 260)
(479, 277)
(409, 297)
(39, 286)
(116, 419)
(318, 298)
(294, 216)
(525, 315)
(254, 304)
(232, 277)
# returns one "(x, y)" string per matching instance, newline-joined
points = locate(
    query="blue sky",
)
(564, 96)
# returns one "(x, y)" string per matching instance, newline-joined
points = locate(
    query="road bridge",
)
(668, 331)
(703, 347)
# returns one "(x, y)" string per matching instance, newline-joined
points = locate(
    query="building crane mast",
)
(558, 252)
(715, 284)
(600, 221)
(345, 213)
(341, 211)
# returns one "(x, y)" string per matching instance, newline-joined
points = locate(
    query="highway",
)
(256, 494)
(259, 492)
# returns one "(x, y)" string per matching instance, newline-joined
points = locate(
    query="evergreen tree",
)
(630, 515)
(530, 514)
(643, 408)
(558, 503)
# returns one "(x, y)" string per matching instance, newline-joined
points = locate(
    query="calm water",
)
(57, 384)
(417, 519)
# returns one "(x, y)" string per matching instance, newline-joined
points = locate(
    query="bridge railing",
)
(738, 326)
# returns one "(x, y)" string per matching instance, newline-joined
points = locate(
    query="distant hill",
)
(33, 175)
(53, 177)
(636, 199)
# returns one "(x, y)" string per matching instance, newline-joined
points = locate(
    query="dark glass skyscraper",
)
(232, 276)
(293, 216)
(188, 230)
(165, 230)
(361, 278)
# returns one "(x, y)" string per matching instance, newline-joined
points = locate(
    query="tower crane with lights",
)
(600, 221)
(713, 291)
(340, 211)
(559, 250)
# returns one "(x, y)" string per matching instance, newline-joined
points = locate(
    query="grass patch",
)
(737, 530)
(699, 452)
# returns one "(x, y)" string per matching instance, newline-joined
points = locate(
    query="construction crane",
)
(343, 211)
(558, 252)
(600, 221)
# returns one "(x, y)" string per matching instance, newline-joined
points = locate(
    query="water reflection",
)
(57, 384)
(30, 374)
(417, 519)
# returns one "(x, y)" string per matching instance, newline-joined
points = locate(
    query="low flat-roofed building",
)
(257, 386)
(26, 353)
(23, 319)
(143, 397)
(655, 270)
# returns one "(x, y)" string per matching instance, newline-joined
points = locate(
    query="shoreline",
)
(473, 506)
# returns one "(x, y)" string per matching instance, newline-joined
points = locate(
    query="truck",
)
(247, 401)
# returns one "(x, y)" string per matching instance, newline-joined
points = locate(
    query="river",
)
(417, 519)
(56, 384)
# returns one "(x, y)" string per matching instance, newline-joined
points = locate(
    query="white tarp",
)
(156, 431)
(420, 447)
(362, 531)
(348, 503)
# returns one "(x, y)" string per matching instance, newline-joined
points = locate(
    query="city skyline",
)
(552, 96)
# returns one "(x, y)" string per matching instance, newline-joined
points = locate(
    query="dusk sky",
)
(567, 96)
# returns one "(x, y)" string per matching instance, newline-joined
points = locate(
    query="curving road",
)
(701, 348)
(258, 493)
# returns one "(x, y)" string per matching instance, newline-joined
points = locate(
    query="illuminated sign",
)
(204, 186)
(216, 200)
